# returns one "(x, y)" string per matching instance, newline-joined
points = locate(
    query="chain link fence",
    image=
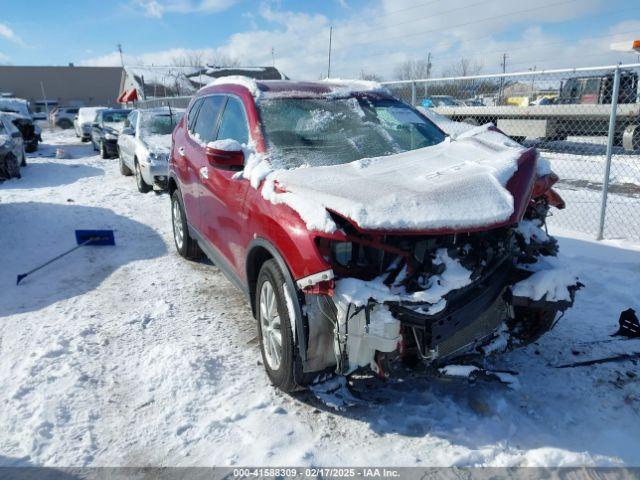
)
(584, 121)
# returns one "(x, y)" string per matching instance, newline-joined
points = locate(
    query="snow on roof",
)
(88, 114)
(249, 83)
(346, 87)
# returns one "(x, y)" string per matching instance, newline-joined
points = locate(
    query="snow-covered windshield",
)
(159, 124)
(332, 131)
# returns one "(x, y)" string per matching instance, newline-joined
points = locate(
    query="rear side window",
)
(234, 122)
(206, 124)
(193, 113)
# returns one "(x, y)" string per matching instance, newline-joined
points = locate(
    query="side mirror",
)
(225, 159)
(128, 131)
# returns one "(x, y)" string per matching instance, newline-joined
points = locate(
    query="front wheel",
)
(187, 247)
(124, 170)
(103, 151)
(143, 187)
(274, 327)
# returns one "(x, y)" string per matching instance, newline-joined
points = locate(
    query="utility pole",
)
(120, 51)
(273, 57)
(504, 70)
(329, 65)
(428, 72)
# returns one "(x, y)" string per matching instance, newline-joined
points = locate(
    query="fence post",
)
(610, 139)
(413, 94)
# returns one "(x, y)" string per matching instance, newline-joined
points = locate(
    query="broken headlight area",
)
(439, 297)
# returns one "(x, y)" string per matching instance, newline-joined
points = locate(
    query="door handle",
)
(181, 151)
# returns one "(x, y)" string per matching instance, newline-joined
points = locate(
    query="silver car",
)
(144, 145)
(12, 155)
(83, 121)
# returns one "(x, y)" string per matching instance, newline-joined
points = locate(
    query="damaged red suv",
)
(362, 233)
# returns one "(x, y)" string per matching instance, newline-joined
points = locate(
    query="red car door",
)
(191, 152)
(222, 206)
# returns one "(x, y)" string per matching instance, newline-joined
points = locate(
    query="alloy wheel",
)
(178, 231)
(270, 326)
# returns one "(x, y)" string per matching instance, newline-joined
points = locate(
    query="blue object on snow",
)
(84, 238)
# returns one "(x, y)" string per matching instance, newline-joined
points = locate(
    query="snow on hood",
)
(158, 143)
(455, 184)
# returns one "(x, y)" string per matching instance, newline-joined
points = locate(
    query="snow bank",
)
(455, 184)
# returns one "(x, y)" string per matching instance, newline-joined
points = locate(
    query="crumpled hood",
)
(456, 184)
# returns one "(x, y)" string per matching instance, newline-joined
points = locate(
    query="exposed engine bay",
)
(436, 298)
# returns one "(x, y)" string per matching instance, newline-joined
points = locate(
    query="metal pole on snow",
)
(610, 139)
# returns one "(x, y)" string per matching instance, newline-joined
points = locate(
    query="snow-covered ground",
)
(580, 163)
(130, 355)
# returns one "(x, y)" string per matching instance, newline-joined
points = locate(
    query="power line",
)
(465, 7)
(473, 22)
(412, 7)
(511, 49)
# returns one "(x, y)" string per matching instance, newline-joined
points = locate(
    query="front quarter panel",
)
(283, 228)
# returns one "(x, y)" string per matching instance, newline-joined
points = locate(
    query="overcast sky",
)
(373, 36)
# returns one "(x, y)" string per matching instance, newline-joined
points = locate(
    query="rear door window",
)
(234, 122)
(193, 114)
(206, 125)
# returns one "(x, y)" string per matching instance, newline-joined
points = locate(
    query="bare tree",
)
(201, 59)
(464, 68)
(374, 77)
(413, 69)
(189, 59)
(223, 60)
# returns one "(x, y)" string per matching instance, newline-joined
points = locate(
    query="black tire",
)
(143, 187)
(31, 147)
(187, 247)
(281, 373)
(64, 124)
(124, 170)
(103, 151)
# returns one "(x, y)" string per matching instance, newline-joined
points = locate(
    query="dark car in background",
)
(23, 120)
(106, 129)
(12, 155)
